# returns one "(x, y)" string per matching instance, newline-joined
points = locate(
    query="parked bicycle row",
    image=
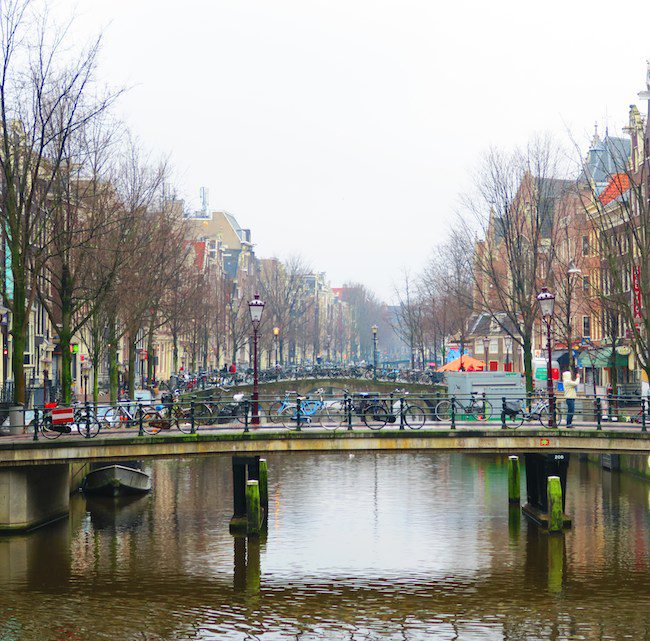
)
(331, 411)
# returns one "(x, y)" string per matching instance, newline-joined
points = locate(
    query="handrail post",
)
(401, 412)
(192, 419)
(599, 413)
(298, 413)
(140, 420)
(36, 423)
(504, 408)
(246, 404)
(453, 412)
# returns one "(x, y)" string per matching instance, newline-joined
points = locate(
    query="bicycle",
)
(313, 411)
(516, 413)
(84, 418)
(478, 408)
(165, 415)
(378, 413)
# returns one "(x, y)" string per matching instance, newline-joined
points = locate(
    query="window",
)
(585, 283)
(585, 245)
(586, 327)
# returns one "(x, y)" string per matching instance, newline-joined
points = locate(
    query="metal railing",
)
(318, 410)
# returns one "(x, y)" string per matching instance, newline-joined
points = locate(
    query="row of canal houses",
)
(597, 267)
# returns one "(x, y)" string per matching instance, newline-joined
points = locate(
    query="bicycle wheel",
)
(275, 411)
(332, 415)
(87, 424)
(114, 417)
(152, 422)
(47, 430)
(182, 419)
(202, 414)
(543, 417)
(480, 410)
(375, 416)
(414, 416)
(443, 411)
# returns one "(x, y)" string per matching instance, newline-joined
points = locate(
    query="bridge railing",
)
(222, 410)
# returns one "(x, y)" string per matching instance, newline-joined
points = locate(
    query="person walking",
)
(570, 394)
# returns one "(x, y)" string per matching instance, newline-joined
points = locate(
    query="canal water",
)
(364, 546)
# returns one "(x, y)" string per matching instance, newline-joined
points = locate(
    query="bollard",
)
(401, 413)
(643, 426)
(503, 420)
(253, 508)
(140, 420)
(514, 480)
(192, 420)
(453, 412)
(599, 414)
(36, 425)
(554, 498)
(246, 415)
(264, 488)
(298, 413)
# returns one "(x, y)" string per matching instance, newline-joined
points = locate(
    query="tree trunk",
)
(174, 351)
(18, 334)
(132, 363)
(528, 364)
(113, 373)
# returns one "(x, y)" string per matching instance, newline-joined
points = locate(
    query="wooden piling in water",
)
(264, 488)
(253, 507)
(514, 480)
(554, 497)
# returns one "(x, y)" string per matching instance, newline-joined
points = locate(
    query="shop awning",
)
(602, 358)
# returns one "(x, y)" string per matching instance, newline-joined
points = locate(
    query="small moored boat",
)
(117, 480)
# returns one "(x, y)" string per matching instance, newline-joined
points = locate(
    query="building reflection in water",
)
(412, 544)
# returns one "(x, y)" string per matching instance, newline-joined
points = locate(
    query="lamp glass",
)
(256, 307)
(546, 302)
(375, 329)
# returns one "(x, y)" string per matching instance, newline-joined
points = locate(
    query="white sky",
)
(344, 130)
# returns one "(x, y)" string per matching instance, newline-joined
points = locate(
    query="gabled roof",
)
(606, 157)
(235, 225)
(616, 187)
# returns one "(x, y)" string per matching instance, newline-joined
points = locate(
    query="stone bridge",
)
(332, 385)
(35, 476)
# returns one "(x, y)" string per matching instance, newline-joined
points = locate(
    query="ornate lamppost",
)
(508, 345)
(486, 352)
(546, 302)
(375, 329)
(85, 370)
(256, 307)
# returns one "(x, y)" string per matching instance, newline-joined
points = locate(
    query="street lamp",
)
(375, 329)
(486, 351)
(276, 334)
(256, 307)
(571, 272)
(85, 370)
(508, 343)
(546, 302)
(46, 361)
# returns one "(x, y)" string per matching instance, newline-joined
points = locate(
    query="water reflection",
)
(378, 546)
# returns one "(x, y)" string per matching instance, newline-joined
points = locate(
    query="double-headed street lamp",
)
(256, 307)
(546, 302)
(375, 329)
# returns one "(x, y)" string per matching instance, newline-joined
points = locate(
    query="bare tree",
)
(46, 95)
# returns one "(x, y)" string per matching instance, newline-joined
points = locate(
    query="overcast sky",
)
(344, 130)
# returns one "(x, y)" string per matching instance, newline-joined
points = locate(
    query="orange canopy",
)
(470, 364)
